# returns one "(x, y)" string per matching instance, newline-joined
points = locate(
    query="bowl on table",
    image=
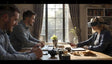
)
(52, 53)
(68, 48)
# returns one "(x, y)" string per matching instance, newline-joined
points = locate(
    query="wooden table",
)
(99, 56)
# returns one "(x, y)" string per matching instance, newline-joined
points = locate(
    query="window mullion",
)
(55, 19)
(63, 22)
(46, 23)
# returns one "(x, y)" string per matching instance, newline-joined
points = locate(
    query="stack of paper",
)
(77, 49)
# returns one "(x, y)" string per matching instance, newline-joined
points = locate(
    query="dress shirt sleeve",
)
(7, 52)
(4, 55)
(20, 35)
(11, 49)
(33, 39)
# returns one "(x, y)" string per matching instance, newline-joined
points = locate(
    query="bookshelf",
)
(106, 13)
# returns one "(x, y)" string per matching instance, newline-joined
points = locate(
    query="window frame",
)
(46, 22)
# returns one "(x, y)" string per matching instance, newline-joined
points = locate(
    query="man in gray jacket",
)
(21, 36)
(9, 14)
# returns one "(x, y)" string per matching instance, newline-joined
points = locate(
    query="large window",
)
(55, 22)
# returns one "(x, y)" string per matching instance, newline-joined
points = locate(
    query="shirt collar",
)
(21, 22)
(2, 32)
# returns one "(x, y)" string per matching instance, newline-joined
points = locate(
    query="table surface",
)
(99, 56)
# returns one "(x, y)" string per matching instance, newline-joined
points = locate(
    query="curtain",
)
(75, 17)
(37, 27)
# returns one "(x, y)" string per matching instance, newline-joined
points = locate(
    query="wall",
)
(24, 7)
(83, 17)
(83, 22)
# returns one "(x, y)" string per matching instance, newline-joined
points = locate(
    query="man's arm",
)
(4, 55)
(10, 47)
(33, 39)
(21, 36)
(42, 43)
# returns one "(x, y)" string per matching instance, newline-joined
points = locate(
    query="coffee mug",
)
(65, 57)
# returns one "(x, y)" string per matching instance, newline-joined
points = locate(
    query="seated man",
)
(9, 14)
(21, 36)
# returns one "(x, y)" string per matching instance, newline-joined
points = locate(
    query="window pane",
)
(67, 16)
(59, 13)
(59, 33)
(55, 22)
(59, 6)
(51, 5)
(51, 23)
(66, 6)
(66, 13)
(59, 23)
(44, 11)
(51, 12)
(51, 32)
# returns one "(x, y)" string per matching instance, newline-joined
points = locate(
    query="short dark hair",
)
(9, 9)
(27, 13)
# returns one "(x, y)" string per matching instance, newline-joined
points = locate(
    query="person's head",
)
(97, 23)
(29, 16)
(9, 14)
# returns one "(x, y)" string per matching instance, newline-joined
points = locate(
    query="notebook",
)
(78, 49)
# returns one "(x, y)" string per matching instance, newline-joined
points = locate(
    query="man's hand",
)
(37, 51)
(42, 43)
(38, 45)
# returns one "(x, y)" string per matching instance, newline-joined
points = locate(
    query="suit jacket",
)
(7, 52)
(104, 45)
(21, 37)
